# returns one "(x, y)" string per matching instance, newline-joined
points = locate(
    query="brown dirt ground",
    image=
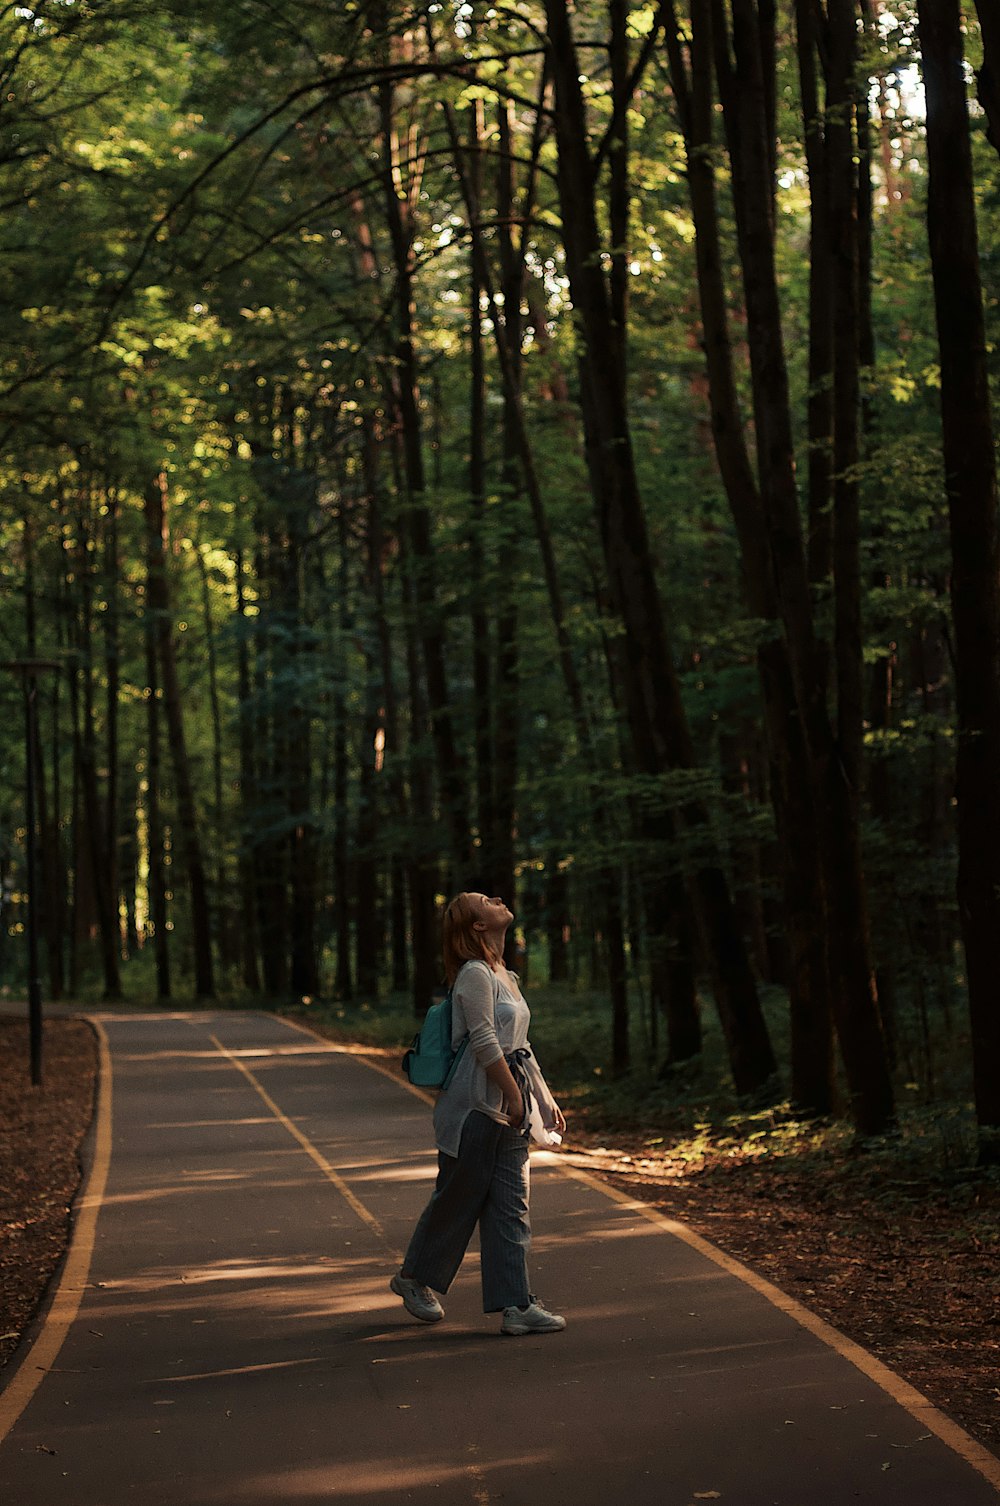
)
(41, 1131)
(903, 1261)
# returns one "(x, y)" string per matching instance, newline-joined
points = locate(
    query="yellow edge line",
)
(65, 1304)
(907, 1396)
(316, 1155)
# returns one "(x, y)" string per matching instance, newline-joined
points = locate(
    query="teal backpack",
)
(430, 1061)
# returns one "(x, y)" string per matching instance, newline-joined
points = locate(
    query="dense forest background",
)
(538, 447)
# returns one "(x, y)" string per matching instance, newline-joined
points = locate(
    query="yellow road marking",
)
(342, 1050)
(914, 1402)
(72, 1282)
(310, 1149)
(907, 1396)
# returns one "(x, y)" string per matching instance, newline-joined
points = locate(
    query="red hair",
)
(460, 941)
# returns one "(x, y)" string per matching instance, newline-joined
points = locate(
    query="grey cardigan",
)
(496, 1022)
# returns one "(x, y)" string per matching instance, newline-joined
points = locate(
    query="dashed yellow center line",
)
(315, 1155)
(905, 1395)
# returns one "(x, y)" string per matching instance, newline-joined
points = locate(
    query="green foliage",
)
(197, 279)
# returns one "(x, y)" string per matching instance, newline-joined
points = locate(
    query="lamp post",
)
(28, 669)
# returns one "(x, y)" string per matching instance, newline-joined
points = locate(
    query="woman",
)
(481, 1124)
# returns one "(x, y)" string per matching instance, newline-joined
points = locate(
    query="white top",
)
(496, 1021)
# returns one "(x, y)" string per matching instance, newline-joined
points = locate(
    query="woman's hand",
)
(515, 1112)
(513, 1103)
(558, 1119)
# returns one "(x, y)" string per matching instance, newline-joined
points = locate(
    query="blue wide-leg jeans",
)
(486, 1183)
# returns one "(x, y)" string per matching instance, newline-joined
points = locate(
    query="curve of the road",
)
(222, 1330)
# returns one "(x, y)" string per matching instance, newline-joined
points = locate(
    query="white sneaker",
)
(418, 1300)
(531, 1319)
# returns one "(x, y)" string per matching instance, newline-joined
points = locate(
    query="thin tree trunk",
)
(618, 177)
(369, 928)
(506, 741)
(79, 894)
(422, 869)
(156, 880)
(47, 898)
(391, 769)
(96, 827)
(820, 403)
(53, 859)
(112, 679)
(294, 741)
(248, 791)
(343, 887)
(482, 678)
(400, 205)
(223, 909)
(158, 603)
(557, 918)
(841, 149)
(369, 924)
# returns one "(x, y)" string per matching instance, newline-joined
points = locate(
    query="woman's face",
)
(493, 913)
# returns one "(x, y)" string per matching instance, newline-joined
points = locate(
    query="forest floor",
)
(898, 1255)
(41, 1133)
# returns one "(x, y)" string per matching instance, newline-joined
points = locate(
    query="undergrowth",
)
(693, 1116)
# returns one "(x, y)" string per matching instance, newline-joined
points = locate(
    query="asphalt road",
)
(236, 1341)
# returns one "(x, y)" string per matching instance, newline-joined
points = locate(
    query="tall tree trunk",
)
(656, 715)
(156, 877)
(158, 604)
(112, 680)
(400, 206)
(386, 720)
(506, 740)
(268, 817)
(853, 984)
(369, 926)
(297, 657)
(421, 869)
(812, 798)
(482, 677)
(618, 177)
(248, 790)
(558, 919)
(47, 897)
(971, 484)
(841, 150)
(53, 859)
(343, 886)
(96, 827)
(227, 933)
(519, 472)
(820, 402)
